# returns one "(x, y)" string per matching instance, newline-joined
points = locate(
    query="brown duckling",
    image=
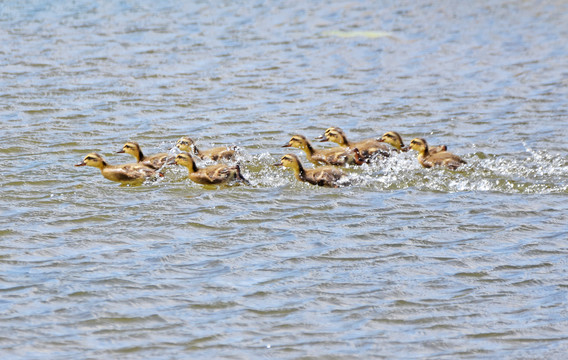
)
(393, 138)
(218, 153)
(127, 174)
(323, 176)
(368, 148)
(154, 161)
(335, 156)
(442, 158)
(210, 175)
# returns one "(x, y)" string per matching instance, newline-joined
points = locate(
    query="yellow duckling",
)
(127, 174)
(368, 148)
(154, 161)
(442, 158)
(218, 153)
(210, 175)
(393, 138)
(323, 176)
(336, 156)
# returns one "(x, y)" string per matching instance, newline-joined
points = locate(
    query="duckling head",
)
(94, 160)
(419, 145)
(186, 160)
(393, 138)
(289, 161)
(336, 135)
(298, 141)
(185, 143)
(131, 148)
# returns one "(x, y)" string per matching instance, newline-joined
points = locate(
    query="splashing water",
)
(540, 173)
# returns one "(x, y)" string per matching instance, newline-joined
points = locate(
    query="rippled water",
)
(405, 263)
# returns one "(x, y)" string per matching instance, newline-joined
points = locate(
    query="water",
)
(406, 263)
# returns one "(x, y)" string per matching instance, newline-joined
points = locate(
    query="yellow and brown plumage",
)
(155, 161)
(393, 138)
(335, 156)
(323, 176)
(127, 174)
(442, 158)
(210, 175)
(368, 148)
(218, 153)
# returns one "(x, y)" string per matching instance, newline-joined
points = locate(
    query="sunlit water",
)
(404, 263)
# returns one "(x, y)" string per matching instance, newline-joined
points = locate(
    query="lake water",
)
(405, 263)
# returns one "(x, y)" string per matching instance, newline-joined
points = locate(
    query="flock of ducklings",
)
(327, 161)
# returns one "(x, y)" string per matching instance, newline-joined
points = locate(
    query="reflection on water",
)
(406, 262)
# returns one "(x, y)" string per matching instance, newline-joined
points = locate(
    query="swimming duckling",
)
(210, 175)
(393, 138)
(222, 152)
(336, 156)
(154, 161)
(368, 148)
(442, 158)
(323, 176)
(127, 174)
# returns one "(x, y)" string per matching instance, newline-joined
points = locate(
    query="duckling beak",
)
(321, 138)
(286, 145)
(380, 139)
(82, 163)
(277, 164)
(171, 161)
(121, 151)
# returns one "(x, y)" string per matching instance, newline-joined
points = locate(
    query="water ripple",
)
(429, 263)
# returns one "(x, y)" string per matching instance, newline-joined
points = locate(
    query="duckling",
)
(442, 158)
(127, 174)
(335, 156)
(154, 161)
(323, 176)
(218, 153)
(369, 148)
(393, 138)
(210, 175)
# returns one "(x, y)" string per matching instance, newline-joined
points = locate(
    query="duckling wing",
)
(214, 174)
(447, 159)
(156, 161)
(138, 170)
(437, 149)
(337, 156)
(372, 147)
(324, 176)
(219, 153)
(454, 162)
(128, 173)
(319, 158)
